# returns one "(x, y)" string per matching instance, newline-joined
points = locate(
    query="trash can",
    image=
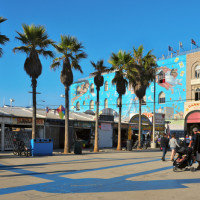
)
(129, 145)
(41, 147)
(78, 147)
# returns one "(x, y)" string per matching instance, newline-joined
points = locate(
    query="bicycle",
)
(20, 149)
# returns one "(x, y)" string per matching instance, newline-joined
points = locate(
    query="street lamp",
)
(153, 144)
(62, 96)
(11, 101)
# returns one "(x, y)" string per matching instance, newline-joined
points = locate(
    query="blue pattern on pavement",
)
(90, 185)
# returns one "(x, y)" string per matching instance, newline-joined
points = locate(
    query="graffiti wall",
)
(170, 93)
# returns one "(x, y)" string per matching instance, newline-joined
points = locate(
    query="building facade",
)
(177, 92)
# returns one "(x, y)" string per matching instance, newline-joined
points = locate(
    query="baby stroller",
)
(184, 159)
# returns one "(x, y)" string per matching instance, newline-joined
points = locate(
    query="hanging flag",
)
(193, 42)
(181, 45)
(61, 111)
(170, 48)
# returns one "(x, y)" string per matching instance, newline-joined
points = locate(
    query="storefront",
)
(84, 131)
(18, 127)
(192, 116)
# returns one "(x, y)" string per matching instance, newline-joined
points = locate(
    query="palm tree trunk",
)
(66, 146)
(140, 124)
(119, 145)
(34, 85)
(96, 145)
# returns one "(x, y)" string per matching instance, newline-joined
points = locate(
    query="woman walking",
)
(173, 143)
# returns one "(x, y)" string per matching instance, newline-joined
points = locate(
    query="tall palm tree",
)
(119, 62)
(3, 38)
(98, 81)
(140, 73)
(35, 41)
(72, 52)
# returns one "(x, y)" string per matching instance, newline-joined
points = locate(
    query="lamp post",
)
(11, 101)
(153, 144)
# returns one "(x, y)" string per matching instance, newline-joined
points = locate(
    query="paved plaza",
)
(105, 175)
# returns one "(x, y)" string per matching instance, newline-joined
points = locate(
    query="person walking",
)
(164, 144)
(196, 148)
(173, 144)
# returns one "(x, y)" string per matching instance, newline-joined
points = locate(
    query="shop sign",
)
(159, 118)
(123, 126)
(27, 121)
(82, 124)
(106, 126)
(190, 106)
(158, 127)
(135, 119)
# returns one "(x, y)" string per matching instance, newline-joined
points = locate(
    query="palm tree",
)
(35, 41)
(98, 81)
(119, 62)
(3, 38)
(72, 52)
(140, 72)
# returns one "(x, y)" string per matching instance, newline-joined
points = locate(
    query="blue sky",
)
(103, 26)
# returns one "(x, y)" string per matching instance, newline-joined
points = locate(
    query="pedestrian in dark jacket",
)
(197, 147)
(164, 144)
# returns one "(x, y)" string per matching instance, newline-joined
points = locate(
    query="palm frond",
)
(2, 19)
(55, 65)
(24, 49)
(1, 52)
(3, 39)
(76, 66)
(99, 67)
(45, 53)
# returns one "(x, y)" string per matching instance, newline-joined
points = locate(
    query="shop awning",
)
(194, 118)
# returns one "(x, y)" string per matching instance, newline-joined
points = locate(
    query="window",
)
(197, 71)
(78, 90)
(106, 103)
(118, 101)
(91, 105)
(161, 77)
(161, 98)
(92, 88)
(197, 94)
(78, 106)
(106, 86)
(144, 100)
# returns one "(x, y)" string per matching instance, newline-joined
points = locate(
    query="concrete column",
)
(2, 136)
(44, 131)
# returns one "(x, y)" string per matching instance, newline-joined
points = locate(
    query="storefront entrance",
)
(192, 120)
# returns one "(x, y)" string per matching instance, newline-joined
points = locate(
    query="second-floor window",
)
(78, 106)
(161, 77)
(78, 90)
(197, 94)
(144, 100)
(106, 103)
(106, 86)
(92, 88)
(91, 105)
(197, 71)
(118, 101)
(161, 98)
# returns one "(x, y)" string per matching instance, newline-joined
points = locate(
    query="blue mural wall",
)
(174, 88)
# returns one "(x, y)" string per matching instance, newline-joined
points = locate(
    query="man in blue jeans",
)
(164, 144)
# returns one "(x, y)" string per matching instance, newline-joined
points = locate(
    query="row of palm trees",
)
(136, 68)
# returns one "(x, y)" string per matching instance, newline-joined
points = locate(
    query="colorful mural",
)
(170, 79)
